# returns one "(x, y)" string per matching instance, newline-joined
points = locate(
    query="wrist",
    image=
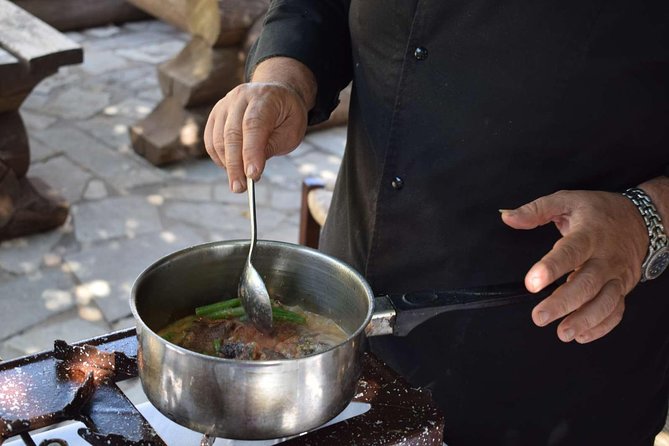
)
(291, 73)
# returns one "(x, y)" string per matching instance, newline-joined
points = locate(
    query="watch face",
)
(658, 263)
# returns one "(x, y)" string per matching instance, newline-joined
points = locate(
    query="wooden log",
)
(237, 17)
(219, 22)
(200, 74)
(67, 15)
(196, 17)
(34, 43)
(170, 133)
(27, 205)
(14, 147)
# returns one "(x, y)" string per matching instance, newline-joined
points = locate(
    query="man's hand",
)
(260, 119)
(604, 241)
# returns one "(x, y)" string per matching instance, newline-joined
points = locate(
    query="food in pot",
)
(222, 330)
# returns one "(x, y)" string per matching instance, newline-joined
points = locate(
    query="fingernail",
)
(535, 283)
(506, 211)
(542, 317)
(251, 171)
(568, 334)
(237, 186)
(582, 338)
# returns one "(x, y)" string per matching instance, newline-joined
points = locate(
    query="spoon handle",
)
(250, 186)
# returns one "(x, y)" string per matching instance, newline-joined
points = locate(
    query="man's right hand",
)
(260, 119)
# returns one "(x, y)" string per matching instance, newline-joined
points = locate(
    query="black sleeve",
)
(316, 33)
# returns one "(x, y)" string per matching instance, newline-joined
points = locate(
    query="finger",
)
(233, 134)
(583, 286)
(218, 138)
(568, 253)
(209, 139)
(604, 327)
(594, 313)
(257, 126)
(538, 212)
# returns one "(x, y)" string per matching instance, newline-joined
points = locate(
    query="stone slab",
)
(26, 254)
(197, 170)
(107, 271)
(332, 140)
(111, 130)
(188, 192)
(102, 32)
(95, 190)
(102, 62)
(36, 121)
(283, 172)
(62, 175)
(76, 103)
(317, 164)
(69, 327)
(153, 53)
(31, 299)
(132, 108)
(113, 218)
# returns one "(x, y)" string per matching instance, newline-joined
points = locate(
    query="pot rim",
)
(247, 362)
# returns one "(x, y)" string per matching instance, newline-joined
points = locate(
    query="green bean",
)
(281, 314)
(222, 305)
(217, 345)
(225, 313)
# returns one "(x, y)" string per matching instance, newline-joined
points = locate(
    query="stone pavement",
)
(73, 283)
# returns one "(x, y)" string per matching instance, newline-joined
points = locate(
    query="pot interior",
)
(172, 287)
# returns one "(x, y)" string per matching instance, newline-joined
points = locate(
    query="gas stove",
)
(72, 396)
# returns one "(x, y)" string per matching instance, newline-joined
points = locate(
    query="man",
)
(459, 108)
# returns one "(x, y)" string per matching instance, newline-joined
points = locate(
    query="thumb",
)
(535, 213)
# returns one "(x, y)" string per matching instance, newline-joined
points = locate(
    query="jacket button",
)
(420, 53)
(397, 183)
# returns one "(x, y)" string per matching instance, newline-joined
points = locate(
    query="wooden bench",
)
(316, 198)
(30, 50)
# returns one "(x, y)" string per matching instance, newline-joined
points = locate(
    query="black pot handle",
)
(400, 313)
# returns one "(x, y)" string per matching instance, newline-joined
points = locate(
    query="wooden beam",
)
(200, 74)
(67, 15)
(33, 42)
(237, 17)
(170, 133)
(197, 17)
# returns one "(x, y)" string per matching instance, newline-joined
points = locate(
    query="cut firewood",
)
(170, 133)
(237, 17)
(200, 74)
(197, 17)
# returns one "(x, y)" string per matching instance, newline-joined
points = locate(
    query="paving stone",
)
(286, 199)
(151, 25)
(122, 324)
(75, 36)
(111, 130)
(281, 171)
(114, 217)
(225, 218)
(76, 103)
(95, 190)
(36, 121)
(319, 165)
(25, 255)
(33, 298)
(98, 62)
(65, 76)
(264, 190)
(152, 94)
(102, 31)
(35, 101)
(7, 352)
(63, 175)
(122, 171)
(132, 108)
(124, 40)
(39, 151)
(153, 53)
(198, 170)
(332, 140)
(68, 327)
(188, 192)
(108, 271)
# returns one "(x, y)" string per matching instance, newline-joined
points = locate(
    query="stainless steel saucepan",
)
(269, 399)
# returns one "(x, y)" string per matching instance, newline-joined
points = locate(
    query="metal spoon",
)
(252, 290)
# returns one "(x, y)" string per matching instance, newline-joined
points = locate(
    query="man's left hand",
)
(603, 244)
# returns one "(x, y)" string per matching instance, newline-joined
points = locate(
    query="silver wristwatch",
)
(657, 259)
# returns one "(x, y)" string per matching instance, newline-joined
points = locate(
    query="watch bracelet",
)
(656, 233)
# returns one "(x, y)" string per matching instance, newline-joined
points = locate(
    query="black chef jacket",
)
(462, 107)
